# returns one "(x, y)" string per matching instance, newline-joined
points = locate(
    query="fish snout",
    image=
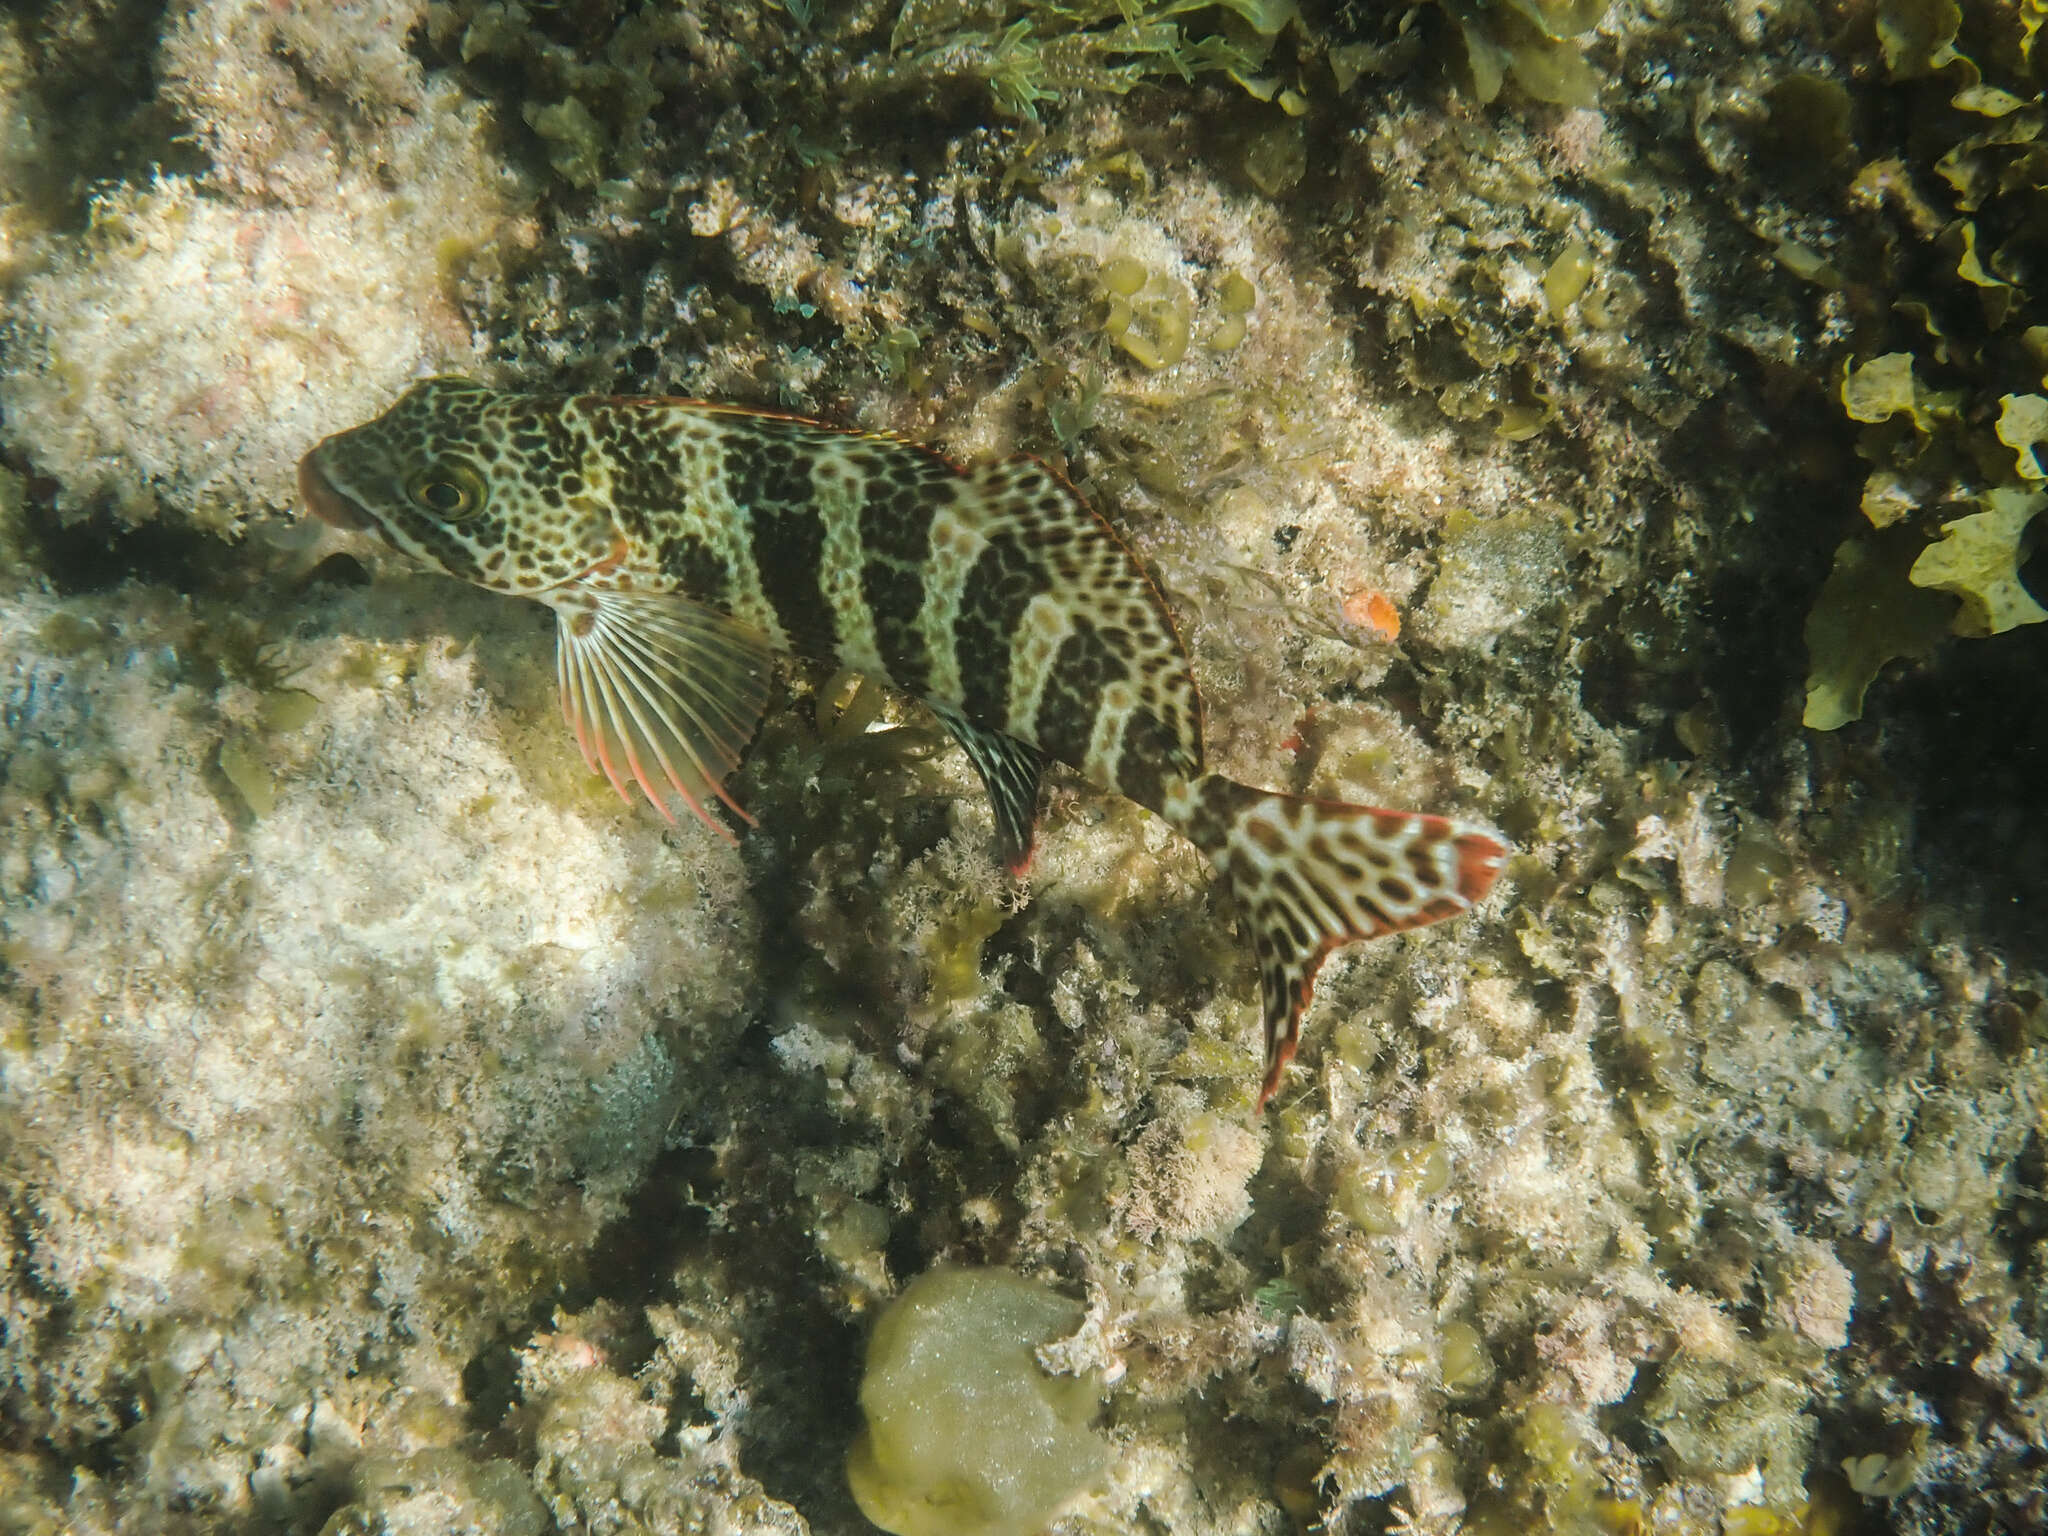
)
(320, 498)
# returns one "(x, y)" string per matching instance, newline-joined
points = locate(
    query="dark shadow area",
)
(490, 1379)
(96, 116)
(803, 1387)
(1924, 1331)
(633, 1260)
(1964, 744)
(1716, 631)
(100, 552)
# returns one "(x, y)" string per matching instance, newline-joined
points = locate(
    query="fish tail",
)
(1311, 875)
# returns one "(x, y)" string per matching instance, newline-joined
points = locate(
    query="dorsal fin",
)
(1011, 769)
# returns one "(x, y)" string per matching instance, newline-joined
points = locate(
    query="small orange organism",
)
(1371, 609)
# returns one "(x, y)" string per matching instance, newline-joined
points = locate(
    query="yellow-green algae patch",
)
(1977, 559)
(243, 767)
(287, 709)
(1925, 452)
(2023, 427)
(1943, 222)
(1882, 388)
(1567, 276)
(967, 1434)
(13, 543)
(1866, 615)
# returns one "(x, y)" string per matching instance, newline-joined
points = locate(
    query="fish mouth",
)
(320, 498)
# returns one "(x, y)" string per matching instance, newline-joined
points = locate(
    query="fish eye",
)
(447, 491)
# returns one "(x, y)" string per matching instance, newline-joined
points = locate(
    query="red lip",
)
(322, 500)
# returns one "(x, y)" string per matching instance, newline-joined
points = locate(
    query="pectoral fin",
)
(661, 692)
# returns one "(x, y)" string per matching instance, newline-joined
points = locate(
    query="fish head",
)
(481, 484)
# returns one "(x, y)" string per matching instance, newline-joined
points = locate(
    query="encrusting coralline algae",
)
(398, 1134)
(289, 1091)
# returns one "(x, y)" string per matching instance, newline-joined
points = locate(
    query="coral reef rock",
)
(1621, 424)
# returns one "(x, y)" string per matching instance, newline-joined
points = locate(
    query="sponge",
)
(967, 1435)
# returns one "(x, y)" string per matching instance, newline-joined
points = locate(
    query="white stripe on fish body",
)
(842, 563)
(702, 511)
(957, 541)
(728, 532)
(1047, 622)
(694, 450)
(1106, 744)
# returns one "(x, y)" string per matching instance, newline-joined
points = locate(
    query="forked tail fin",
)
(1309, 875)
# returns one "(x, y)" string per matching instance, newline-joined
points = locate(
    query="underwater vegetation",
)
(1947, 367)
(966, 1432)
(1528, 410)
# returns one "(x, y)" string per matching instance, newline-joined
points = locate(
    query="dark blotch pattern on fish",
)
(1004, 580)
(896, 513)
(772, 482)
(1082, 670)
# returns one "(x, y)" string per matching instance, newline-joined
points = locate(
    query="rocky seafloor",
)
(1617, 424)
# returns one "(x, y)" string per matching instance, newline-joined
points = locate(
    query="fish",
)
(684, 546)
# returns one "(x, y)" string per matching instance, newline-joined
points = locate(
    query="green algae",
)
(14, 541)
(1567, 276)
(1977, 559)
(1810, 117)
(1537, 45)
(287, 709)
(243, 766)
(1032, 54)
(2023, 427)
(966, 1433)
(957, 942)
(577, 145)
(1883, 388)
(1150, 319)
(1946, 215)
(1523, 42)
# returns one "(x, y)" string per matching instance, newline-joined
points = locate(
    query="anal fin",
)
(1011, 770)
(662, 692)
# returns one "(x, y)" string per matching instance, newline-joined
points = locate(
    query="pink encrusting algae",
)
(683, 546)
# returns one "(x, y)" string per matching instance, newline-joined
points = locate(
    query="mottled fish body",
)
(683, 545)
